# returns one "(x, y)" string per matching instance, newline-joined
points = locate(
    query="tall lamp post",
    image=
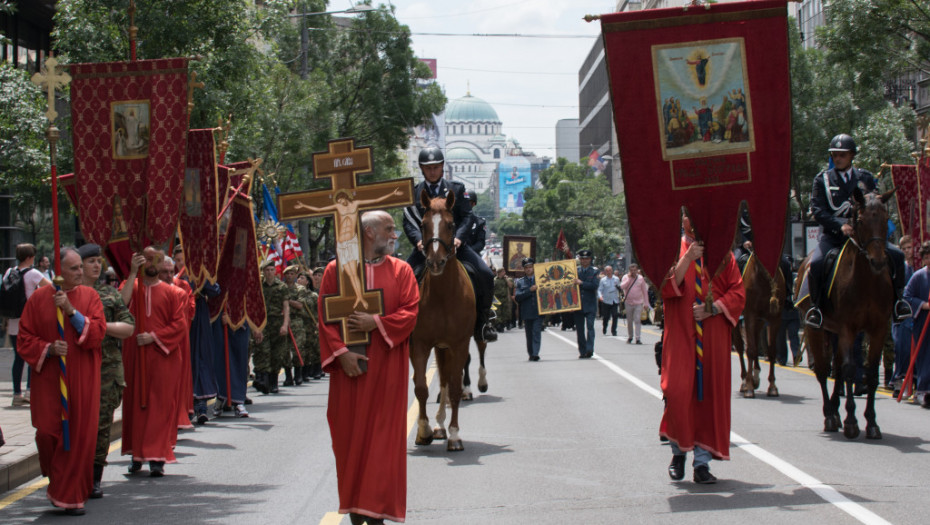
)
(305, 32)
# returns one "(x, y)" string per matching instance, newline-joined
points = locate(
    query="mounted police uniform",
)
(461, 214)
(831, 207)
(478, 231)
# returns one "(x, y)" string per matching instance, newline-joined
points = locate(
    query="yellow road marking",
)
(22, 493)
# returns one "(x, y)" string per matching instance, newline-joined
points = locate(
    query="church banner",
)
(199, 208)
(238, 274)
(911, 183)
(130, 131)
(701, 102)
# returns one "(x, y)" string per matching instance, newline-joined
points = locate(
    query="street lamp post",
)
(305, 33)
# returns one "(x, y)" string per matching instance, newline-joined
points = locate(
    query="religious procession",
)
(250, 249)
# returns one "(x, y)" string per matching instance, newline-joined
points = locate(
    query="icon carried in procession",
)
(342, 163)
(516, 248)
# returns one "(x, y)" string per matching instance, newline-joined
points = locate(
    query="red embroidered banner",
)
(130, 131)
(117, 250)
(238, 274)
(199, 208)
(701, 102)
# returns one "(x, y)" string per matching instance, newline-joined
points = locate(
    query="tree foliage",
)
(577, 201)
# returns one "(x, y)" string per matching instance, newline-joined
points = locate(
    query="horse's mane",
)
(437, 204)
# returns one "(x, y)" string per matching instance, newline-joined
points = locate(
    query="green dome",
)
(461, 155)
(470, 109)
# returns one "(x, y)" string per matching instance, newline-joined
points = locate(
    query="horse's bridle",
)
(450, 248)
(863, 248)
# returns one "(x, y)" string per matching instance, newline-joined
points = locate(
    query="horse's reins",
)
(450, 247)
(862, 248)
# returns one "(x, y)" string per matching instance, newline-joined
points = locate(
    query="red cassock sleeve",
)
(331, 343)
(191, 299)
(39, 324)
(397, 326)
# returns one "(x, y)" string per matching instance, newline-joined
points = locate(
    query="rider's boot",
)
(814, 317)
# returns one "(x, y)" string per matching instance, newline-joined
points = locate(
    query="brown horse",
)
(446, 321)
(861, 299)
(765, 298)
(482, 373)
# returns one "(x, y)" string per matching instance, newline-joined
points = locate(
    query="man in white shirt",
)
(608, 296)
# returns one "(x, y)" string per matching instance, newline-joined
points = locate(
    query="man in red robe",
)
(70, 473)
(368, 408)
(152, 360)
(690, 423)
(185, 380)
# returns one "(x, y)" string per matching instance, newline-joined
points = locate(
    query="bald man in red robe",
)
(690, 424)
(70, 473)
(150, 415)
(368, 410)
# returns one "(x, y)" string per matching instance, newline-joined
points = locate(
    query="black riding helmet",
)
(432, 155)
(843, 142)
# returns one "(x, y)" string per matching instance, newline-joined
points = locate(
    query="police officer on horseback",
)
(431, 163)
(832, 209)
(477, 233)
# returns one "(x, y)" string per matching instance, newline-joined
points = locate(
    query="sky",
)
(530, 80)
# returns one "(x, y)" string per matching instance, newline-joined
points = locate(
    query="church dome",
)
(461, 155)
(470, 109)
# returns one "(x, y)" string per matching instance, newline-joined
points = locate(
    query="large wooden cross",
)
(346, 199)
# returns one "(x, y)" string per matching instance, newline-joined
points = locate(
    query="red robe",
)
(149, 434)
(70, 474)
(368, 414)
(186, 379)
(687, 421)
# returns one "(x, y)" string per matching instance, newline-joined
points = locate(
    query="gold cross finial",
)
(51, 79)
(191, 85)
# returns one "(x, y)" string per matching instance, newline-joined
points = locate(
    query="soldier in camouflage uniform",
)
(299, 301)
(120, 325)
(312, 366)
(270, 350)
(502, 292)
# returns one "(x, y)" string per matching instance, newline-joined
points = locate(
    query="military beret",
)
(267, 264)
(89, 250)
(584, 253)
(318, 269)
(528, 260)
(291, 268)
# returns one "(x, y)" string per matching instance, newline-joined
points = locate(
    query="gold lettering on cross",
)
(342, 163)
(51, 79)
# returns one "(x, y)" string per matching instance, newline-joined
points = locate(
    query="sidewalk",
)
(19, 458)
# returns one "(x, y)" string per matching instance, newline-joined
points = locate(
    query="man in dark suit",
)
(525, 296)
(431, 164)
(587, 281)
(831, 208)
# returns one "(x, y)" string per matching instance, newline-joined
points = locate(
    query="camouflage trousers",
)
(111, 395)
(312, 352)
(271, 355)
(300, 336)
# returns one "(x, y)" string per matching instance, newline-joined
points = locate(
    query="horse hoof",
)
(772, 392)
(830, 424)
(467, 396)
(851, 431)
(455, 445)
(755, 379)
(439, 434)
(873, 432)
(482, 387)
(749, 394)
(423, 441)
(742, 388)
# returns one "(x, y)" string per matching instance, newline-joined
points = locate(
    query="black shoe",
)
(613, 334)
(287, 382)
(676, 469)
(135, 466)
(248, 400)
(860, 390)
(96, 492)
(703, 476)
(902, 310)
(604, 331)
(814, 317)
(202, 419)
(629, 341)
(74, 512)
(273, 383)
(639, 342)
(261, 382)
(156, 469)
(298, 376)
(534, 358)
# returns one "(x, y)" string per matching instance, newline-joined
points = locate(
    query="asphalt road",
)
(557, 441)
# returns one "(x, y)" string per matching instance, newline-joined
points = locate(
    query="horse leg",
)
(845, 347)
(482, 372)
(818, 351)
(737, 341)
(419, 355)
(439, 431)
(871, 427)
(454, 367)
(751, 339)
(466, 381)
(771, 350)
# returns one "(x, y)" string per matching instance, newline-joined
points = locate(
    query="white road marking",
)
(828, 493)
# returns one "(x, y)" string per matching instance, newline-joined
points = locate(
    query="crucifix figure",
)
(346, 199)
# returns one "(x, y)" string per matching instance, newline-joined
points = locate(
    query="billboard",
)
(514, 176)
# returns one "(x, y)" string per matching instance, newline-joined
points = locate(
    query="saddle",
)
(828, 276)
(742, 261)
